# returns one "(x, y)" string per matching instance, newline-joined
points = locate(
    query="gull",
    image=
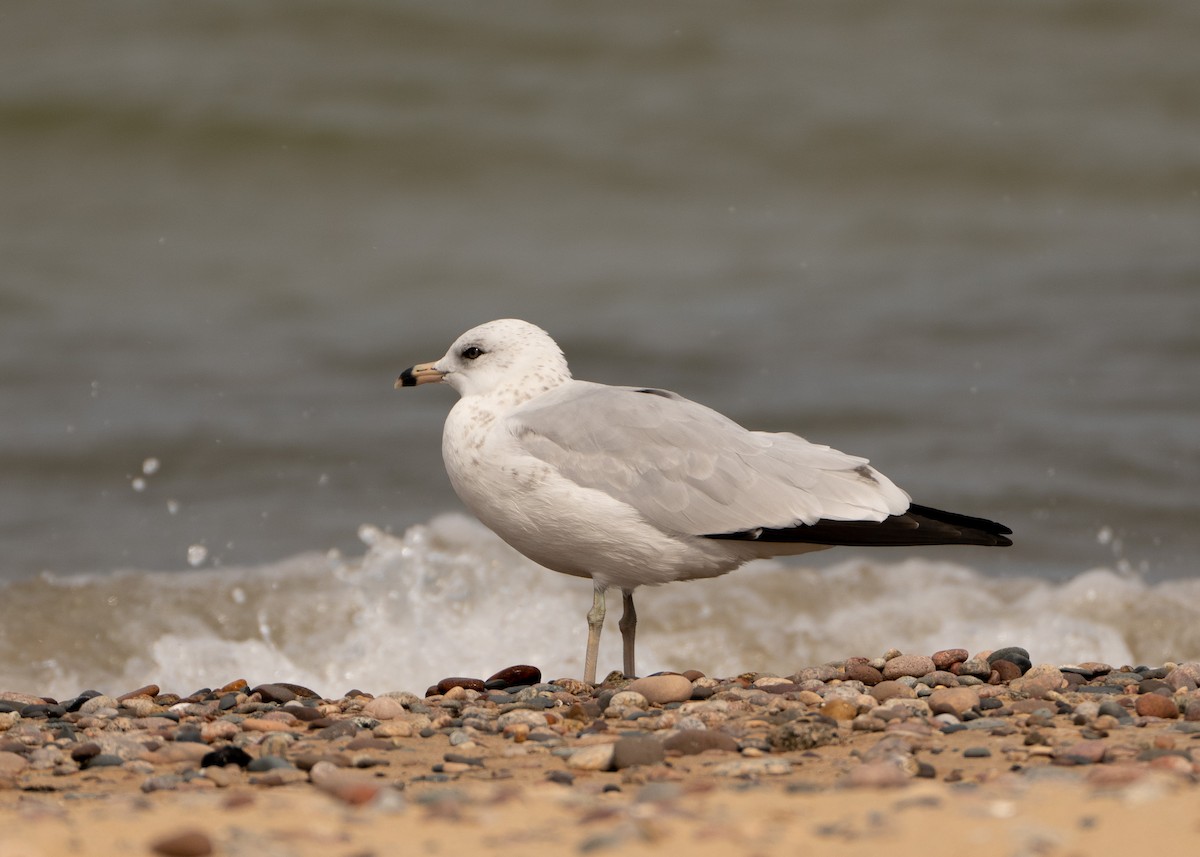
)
(636, 486)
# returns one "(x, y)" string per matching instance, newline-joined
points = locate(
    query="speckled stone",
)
(910, 665)
(384, 708)
(839, 709)
(947, 658)
(886, 690)
(863, 672)
(1039, 682)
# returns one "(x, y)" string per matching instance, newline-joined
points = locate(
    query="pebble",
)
(953, 700)
(183, 843)
(947, 658)
(628, 752)
(908, 665)
(1039, 681)
(662, 689)
(594, 757)
(690, 742)
(514, 676)
(896, 712)
(1155, 705)
(384, 708)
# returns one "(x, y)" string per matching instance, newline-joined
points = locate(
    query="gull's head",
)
(507, 353)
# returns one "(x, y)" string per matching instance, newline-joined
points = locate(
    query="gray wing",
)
(687, 468)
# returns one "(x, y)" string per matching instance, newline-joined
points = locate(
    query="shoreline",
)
(910, 753)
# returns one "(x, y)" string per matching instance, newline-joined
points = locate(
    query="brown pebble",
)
(689, 742)
(185, 843)
(459, 681)
(514, 676)
(692, 675)
(1006, 670)
(908, 665)
(863, 672)
(839, 709)
(886, 690)
(953, 700)
(235, 686)
(947, 658)
(150, 690)
(1155, 705)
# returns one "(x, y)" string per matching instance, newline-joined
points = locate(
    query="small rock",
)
(953, 700)
(1155, 705)
(274, 693)
(947, 658)
(514, 676)
(662, 689)
(1081, 753)
(977, 753)
(976, 667)
(1185, 676)
(185, 843)
(628, 752)
(839, 709)
(689, 742)
(384, 708)
(226, 756)
(863, 672)
(910, 665)
(345, 785)
(1005, 671)
(593, 757)
(1014, 655)
(150, 690)
(876, 775)
(11, 763)
(750, 768)
(1039, 682)
(97, 704)
(446, 684)
(886, 690)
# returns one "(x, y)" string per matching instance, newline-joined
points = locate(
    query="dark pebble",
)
(8, 707)
(514, 676)
(267, 763)
(950, 728)
(304, 713)
(628, 752)
(43, 711)
(188, 734)
(976, 753)
(990, 703)
(226, 756)
(564, 778)
(103, 760)
(474, 761)
(1115, 709)
(458, 681)
(77, 703)
(428, 732)
(1014, 655)
(186, 843)
(703, 692)
(227, 702)
(1097, 689)
(86, 751)
(340, 729)
(274, 693)
(926, 771)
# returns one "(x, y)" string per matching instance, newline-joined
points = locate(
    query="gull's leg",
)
(628, 626)
(595, 620)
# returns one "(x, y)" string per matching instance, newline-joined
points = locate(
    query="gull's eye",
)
(471, 352)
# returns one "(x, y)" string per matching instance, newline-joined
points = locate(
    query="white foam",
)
(448, 598)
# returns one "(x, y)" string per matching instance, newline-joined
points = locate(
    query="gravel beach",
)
(902, 753)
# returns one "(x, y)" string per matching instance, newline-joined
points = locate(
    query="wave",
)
(448, 598)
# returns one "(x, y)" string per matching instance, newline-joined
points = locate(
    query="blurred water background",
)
(960, 239)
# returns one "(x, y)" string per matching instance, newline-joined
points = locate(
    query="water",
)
(960, 240)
